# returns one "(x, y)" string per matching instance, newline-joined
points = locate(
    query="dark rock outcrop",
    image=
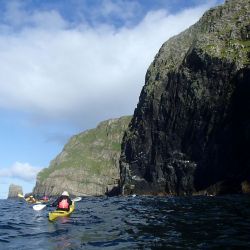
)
(14, 190)
(88, 164)
(190, 132)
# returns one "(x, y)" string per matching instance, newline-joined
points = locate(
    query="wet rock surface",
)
(190, 132)
(14, 190)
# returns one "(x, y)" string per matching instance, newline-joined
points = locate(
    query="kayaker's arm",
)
(54, 203)
(70, 201)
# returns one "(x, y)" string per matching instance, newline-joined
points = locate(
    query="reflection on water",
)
(131, 223)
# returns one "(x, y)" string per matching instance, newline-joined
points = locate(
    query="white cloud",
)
(51, 71)
(16, 16)
(23, 171)
(122, 9)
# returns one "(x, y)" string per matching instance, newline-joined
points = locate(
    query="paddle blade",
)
(39, 207)
(20, 196)
(77, 199)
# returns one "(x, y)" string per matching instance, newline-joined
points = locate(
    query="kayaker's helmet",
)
(65, 193)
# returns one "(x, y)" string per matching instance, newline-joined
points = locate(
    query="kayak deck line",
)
(60, 212)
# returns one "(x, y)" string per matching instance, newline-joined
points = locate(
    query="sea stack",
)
(14, 190)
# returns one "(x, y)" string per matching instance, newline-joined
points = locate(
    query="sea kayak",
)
(34, 202)
(59, 213)
(31, 199)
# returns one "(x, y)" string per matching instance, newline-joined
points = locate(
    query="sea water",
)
(141, 222)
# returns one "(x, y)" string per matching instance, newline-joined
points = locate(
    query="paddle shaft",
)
(42, 206)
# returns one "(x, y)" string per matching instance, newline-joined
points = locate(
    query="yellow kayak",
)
(59, 213)
(34, 202)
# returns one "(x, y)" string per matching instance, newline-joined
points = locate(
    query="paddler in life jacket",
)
(63, 202)
(31, 199)
(45, 198)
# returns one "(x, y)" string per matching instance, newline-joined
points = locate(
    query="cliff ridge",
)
(88, 163)
(190, 130)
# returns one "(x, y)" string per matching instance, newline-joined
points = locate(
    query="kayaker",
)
(63, 202)
(45, 198)
(31, 199)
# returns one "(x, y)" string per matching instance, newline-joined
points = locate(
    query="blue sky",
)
(66, 65)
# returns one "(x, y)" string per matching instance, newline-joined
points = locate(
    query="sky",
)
(67, 65)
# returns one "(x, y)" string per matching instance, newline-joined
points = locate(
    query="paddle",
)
(20, 196)
(42, 206)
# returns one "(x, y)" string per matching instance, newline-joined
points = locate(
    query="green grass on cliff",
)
(95, 150)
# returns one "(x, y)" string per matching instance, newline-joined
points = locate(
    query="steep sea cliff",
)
(190, 132)
(88, 163)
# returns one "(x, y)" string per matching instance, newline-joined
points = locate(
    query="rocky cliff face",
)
(14, 190)
(191, 129)
(88, 164)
